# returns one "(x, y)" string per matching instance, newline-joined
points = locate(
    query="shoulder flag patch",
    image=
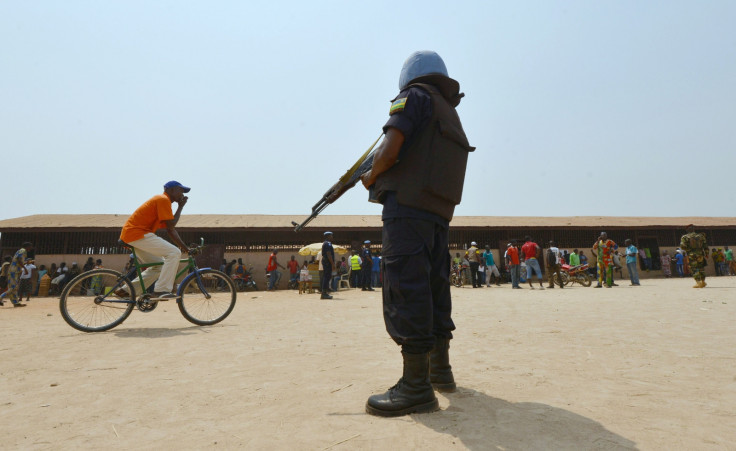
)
(397, 106)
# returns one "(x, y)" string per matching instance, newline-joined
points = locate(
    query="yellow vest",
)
(355, 262)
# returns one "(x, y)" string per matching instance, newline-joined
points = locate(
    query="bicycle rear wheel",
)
(88, 303)
(208, 299)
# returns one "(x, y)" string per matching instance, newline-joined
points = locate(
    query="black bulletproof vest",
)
(431, 173)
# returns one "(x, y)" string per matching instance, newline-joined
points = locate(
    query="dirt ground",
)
(649, 367)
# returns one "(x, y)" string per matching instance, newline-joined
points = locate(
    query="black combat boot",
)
(412, 394)
(440, 371)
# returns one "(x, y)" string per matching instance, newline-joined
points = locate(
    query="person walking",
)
(366, 266)
(529, 252)
(554, 261)
(473, 256)
(16, 268)
(328, 264)
(631, 253)
(697, 253)
(419, 193)
(491, 268)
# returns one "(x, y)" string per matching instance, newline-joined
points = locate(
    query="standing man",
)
(697, 252)
(273, 268)
(366, 267)
(293, 266)
(514, 264)
(139, 232)
(491, 268)
(554, 260)
(328, 264)
(473, 256)
(729, 261)
(376, 270)
(355, 262)
(574, 258)
(529, 252)
(603, 250)
(418, 175)
(631, 253)
(27, 280)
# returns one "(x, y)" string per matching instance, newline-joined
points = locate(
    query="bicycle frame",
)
(138, 268)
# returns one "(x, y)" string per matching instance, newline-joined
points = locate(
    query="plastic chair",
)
(344, 280)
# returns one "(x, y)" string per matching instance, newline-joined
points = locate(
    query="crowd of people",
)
(522, 262)
(21, 278)
(362, 269)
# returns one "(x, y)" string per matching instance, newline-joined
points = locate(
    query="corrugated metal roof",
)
(338, 222)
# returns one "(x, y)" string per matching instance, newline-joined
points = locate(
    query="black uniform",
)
(366, 268)
(416, 262)
(327, 249)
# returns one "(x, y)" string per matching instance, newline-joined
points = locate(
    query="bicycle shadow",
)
(160, 332)
(482, 422)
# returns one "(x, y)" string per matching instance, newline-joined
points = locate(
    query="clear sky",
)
(616, 108)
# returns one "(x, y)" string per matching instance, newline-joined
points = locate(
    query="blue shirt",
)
(489, 258)
(680, 259)
(376, 264)
(631, 250)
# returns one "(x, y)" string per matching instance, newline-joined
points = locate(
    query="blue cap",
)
(367, 242)
(174, 184)
(328, 233)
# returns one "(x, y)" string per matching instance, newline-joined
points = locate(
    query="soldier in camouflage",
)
(697, 251)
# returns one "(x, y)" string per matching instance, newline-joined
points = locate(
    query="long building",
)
(253, 237)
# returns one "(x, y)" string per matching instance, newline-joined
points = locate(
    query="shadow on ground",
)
(518, 426)
(158, 332)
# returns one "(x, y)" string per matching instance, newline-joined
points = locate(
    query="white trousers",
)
(152, 248)
(491, 270)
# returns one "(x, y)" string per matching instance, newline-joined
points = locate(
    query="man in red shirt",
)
(513, 262)
(139, 232)
(273, 268)
(529, 252)
(293, 266)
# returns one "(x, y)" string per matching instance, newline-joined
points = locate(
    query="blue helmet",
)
(420, 64)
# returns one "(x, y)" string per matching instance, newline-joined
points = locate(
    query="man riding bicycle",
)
(139, 232)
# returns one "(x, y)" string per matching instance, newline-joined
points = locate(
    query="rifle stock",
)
(346, 182)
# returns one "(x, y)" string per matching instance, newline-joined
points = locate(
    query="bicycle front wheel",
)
(207, 297)
(89, 303)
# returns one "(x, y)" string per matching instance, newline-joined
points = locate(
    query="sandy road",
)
(652, 367)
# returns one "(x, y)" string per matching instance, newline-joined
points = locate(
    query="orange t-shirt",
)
(148, 218)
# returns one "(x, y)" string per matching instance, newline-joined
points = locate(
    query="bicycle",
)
(205, 296)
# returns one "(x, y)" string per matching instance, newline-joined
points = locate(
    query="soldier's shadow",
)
(482, 422)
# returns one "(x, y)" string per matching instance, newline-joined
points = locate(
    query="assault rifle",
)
(347, 181)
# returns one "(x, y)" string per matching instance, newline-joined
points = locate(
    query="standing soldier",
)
(697, 251)
(418, 175)
(328, 265)
(366, 266)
